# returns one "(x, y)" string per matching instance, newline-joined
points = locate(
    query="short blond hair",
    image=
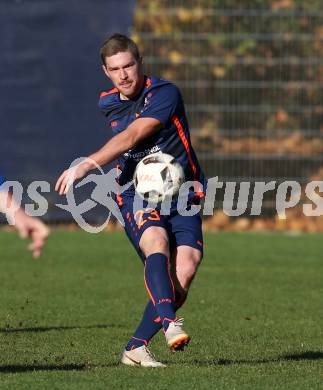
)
(117, 43)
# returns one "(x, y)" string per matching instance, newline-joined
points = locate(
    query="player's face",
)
(125, 72)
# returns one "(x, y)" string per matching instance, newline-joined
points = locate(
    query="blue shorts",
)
(182, 230)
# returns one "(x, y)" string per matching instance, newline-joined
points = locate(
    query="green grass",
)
(254, 312)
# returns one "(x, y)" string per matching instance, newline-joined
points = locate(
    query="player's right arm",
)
(137, 131)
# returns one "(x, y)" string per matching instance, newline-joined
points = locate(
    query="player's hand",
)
(68, 177)
(34, 228)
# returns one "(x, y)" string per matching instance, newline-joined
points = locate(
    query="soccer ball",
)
(158, 176)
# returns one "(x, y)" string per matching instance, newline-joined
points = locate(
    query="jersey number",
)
(139, 216)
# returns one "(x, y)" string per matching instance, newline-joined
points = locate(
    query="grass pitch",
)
(254, 313)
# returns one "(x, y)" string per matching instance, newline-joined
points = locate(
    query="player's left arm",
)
(138, 130)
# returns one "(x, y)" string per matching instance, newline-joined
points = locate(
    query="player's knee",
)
(159, 244)
(197, 258)
(188, 268)
(155, 243)
(193, 261)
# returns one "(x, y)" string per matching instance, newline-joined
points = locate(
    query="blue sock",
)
(160, 287)
(148, 327)
(150, 324)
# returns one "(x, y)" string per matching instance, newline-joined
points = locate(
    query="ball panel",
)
(158, 176)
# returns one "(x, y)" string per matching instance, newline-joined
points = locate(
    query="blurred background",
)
(251, 76)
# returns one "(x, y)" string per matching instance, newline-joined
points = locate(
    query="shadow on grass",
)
(308, 355)
(301, 356)
(17, 368)
(49, 328)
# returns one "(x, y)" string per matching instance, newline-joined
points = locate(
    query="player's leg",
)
(184, 266)
(186, 236)
(187, 239)
(185, 261)
(155, 247)
(136, 351)
(150, 323)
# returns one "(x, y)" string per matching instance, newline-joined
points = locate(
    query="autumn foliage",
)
(251, 74)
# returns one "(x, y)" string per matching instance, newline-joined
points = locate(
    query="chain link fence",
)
(251, 78)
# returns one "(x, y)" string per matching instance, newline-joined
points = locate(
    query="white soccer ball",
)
(158, 176)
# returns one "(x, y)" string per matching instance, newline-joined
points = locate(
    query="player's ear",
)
(105, 70)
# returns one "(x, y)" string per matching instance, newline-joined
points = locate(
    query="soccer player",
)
(27, 227)
(147, 115)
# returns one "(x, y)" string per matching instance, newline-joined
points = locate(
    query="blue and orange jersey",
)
(161, 100)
